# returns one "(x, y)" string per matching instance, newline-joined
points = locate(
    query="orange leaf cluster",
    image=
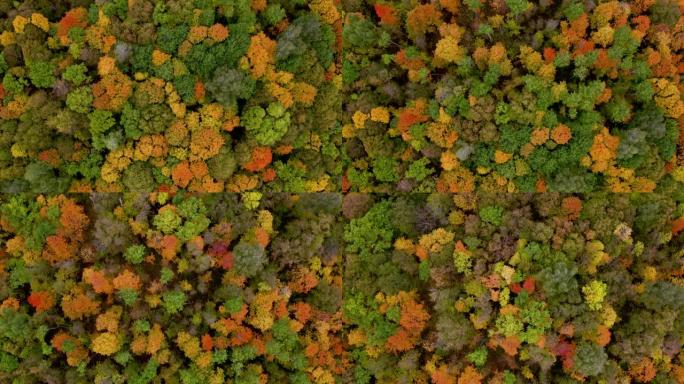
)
(677, 225)
(421, 18)
(261, 54)
(573, 206)
(74, 356)
(450, 5)
(640, 6)
(643, 371)
(411, 115)
(302, 311)
(41, 300)
(574, 31)
(603, 61)
(603, 150)
(218, 32)
(10, 303)
(258, 5)
(409, 63)
(127, 280)
(206, 143)
(168, 246)
(261, 157)
(98, 280)
(58, 249)
(470, 375)
(303, 281)
(154, 146)
(70, 233)
(149, 344)
(50, 156)
(539, 136)
(181, 174)
(603, 335)
(112, 91)
(441, 376)
(268, 175)
(77, 17)
(413, 316)
(386, 13)
(73, 219)
(561, 134)
(78, 305)
(413, 320)
(509, 344)
(399, 342)
(456, 181)
(262, 237)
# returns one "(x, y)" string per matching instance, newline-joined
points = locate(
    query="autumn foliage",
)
(341, 191)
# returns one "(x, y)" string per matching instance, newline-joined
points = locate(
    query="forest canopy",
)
(341, 191)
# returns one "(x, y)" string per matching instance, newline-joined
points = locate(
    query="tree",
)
(228, 86)
(267, 126)
(42, 74)
(248, 258)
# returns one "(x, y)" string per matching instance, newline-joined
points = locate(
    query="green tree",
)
(42, 74)
(267, 126)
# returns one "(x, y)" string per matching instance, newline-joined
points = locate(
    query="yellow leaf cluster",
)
(189, 344)
(260, 309)
(117, 160)
(668, 97)
(106, 65)
(547, 71)
(317, 185)
(442, 134)
(436, 240)
(531, 58)
(265, 221)
(448, 50)
(304, 93)
(212, 116)
(150, 146)
(359, 118)
(40, 21)
(449, 161)
(356, 337)
(241, 183)
(19, 23)
(15, 245)
(7, 38)
(603, 36)
(326, 9)
(105, 344)
(159, 57)
(501, 157)
(348, 131)
(404, 244)
(380, 114)
(109, 320)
